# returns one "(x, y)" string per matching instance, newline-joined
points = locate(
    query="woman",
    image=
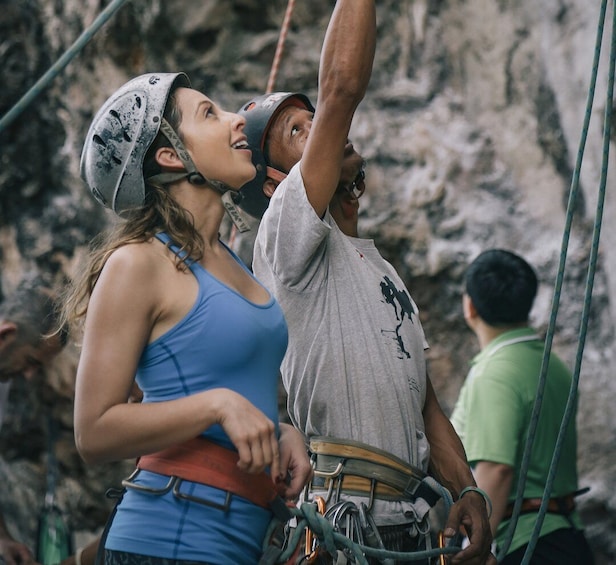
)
(170, 306)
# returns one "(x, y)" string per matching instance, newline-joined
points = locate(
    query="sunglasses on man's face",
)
(357, 187)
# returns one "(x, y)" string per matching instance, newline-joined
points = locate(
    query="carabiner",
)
(441, 544)
(312, 551)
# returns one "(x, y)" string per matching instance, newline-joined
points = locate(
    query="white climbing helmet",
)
(121, 134)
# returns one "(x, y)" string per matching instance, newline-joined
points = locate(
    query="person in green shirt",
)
(493, 413)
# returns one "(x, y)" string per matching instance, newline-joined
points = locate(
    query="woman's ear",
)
(168, 158)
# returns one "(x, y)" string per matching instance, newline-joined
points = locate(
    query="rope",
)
(284, 30)
(60, 64)
(555, 304)
(587, 296)
(332, 541)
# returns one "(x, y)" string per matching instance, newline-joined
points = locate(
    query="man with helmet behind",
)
(164, 302)
(354, 371)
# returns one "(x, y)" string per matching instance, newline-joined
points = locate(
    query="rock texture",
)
(471, 129)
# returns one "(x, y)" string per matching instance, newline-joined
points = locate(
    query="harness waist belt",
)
(363, 469)
(561, 505)
(202, 461)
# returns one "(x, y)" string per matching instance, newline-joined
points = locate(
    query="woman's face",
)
(215, 139)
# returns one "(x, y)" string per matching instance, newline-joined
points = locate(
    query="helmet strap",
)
(195, 177)
(192, 173)
(235, 213)
(275, 174)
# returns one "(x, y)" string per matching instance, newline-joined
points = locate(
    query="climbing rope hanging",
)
(284, 30)
(60, 64)
(573, 195)
(282, 37)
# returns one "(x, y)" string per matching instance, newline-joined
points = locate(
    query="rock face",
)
(471, 129)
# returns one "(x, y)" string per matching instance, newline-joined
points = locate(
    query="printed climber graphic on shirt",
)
(403, 307)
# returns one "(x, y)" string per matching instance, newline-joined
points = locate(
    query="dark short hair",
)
(502, 287)
(32, 307)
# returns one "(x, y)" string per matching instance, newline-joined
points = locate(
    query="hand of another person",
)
(251, 432)
(294, 462)
(470, 512)
(15, 553)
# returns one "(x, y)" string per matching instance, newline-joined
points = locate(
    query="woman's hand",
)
(252, 433)
(294, 462)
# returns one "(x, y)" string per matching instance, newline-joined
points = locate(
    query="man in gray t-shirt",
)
(355, 366)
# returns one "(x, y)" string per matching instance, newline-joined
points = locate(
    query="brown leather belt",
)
(202, 461)
(561, 505)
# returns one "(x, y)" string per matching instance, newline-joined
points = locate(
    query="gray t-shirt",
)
(355, 366)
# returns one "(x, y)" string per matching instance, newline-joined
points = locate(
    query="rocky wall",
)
(471, 129)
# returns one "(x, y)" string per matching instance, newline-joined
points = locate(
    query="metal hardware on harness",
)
(333, 474)
(344, 518)
(174, 485)
(371, 532)
(441, 544)
(312, 551)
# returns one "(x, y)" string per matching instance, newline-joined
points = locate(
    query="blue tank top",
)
(224, 341)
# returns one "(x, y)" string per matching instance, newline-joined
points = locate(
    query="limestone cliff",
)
(471, 129)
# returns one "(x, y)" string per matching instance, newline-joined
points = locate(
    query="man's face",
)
(19, 359)
(287, 139)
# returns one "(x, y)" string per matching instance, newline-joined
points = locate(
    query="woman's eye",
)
(294, 130)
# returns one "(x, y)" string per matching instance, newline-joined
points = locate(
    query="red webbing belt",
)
(202, 461)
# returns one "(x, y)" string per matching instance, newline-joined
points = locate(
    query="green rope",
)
(594, 251)
(573, 195)
(60, 64)
(332, 541)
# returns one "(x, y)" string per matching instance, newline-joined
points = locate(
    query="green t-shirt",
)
(493, 413)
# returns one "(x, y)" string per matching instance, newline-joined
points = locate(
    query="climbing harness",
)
(202, 461)
(348, 478)
(331, 544)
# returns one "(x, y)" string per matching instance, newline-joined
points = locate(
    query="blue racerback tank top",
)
(224, 341)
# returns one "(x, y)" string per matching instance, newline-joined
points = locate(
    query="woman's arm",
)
(129, 304)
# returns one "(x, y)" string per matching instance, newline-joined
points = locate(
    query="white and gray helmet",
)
(121, 134)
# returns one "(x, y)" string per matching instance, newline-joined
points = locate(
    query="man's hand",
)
(471, 513)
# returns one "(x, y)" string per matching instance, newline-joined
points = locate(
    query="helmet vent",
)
(99, 140)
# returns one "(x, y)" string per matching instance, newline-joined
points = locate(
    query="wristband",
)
(470, 489)
(78, 554)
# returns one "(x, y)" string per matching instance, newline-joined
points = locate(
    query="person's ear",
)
(168, 158)
(269, 187)
(8, 330)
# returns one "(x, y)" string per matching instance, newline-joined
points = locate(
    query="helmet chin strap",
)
(195, 177)
(275, 174)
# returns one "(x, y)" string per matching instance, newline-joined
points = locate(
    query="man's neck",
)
(487, 334)
(345, 216)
